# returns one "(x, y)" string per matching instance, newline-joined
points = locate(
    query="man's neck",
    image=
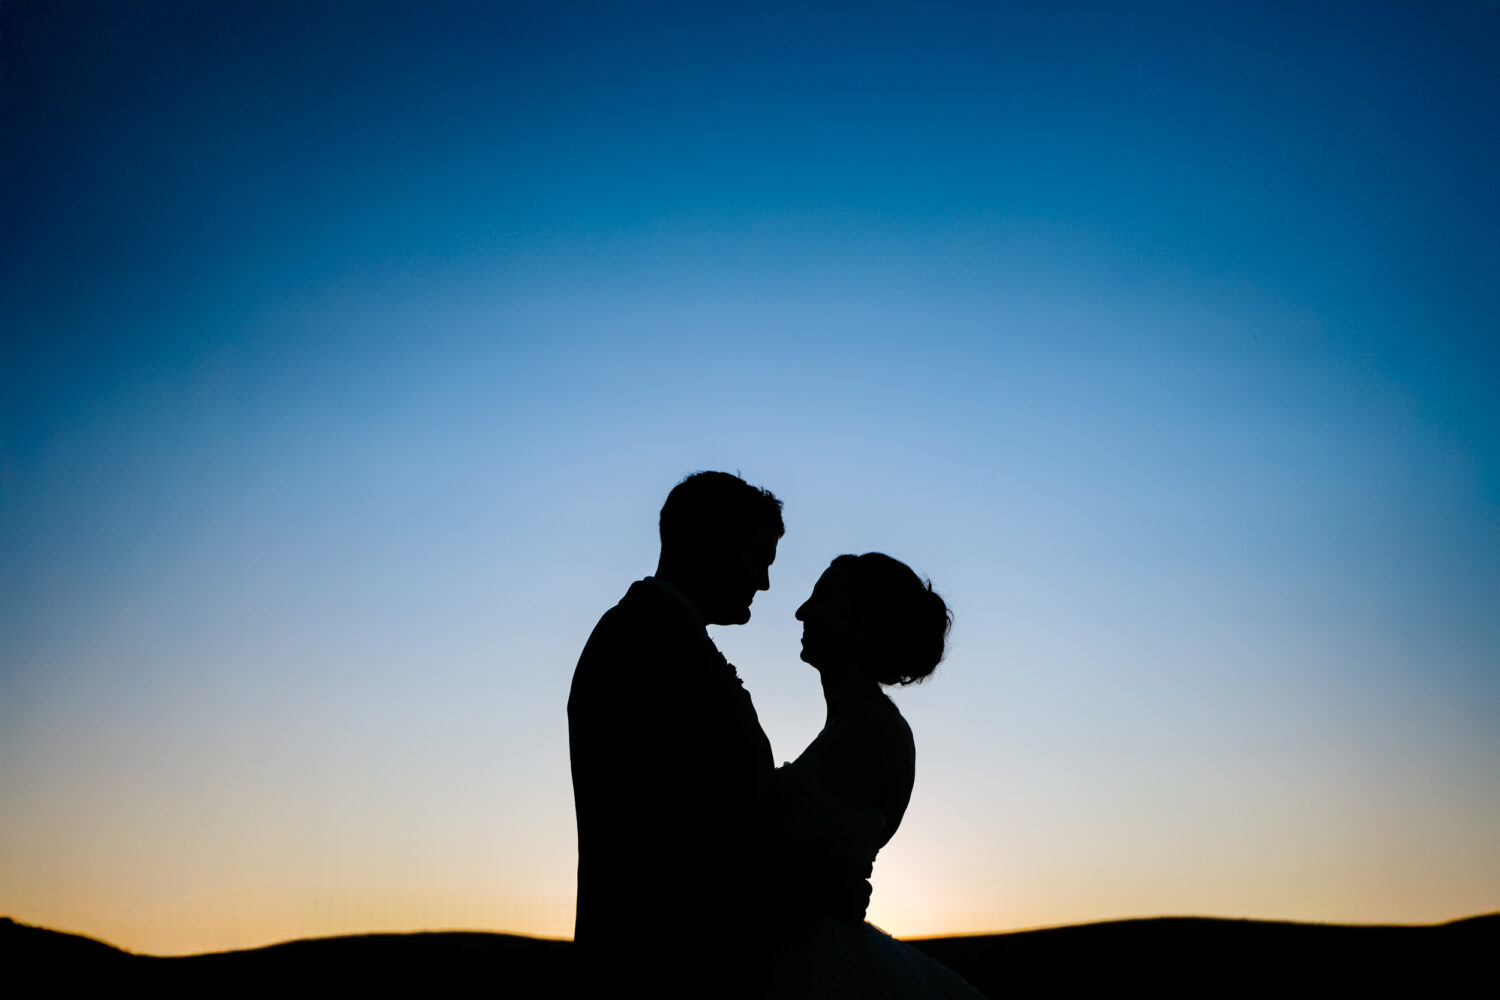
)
(676, 592)
(680, 580)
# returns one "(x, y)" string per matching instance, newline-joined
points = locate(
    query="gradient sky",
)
(351, 348)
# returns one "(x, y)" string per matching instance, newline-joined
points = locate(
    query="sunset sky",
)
(350, 349)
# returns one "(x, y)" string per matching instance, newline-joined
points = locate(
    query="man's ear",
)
(708, 540)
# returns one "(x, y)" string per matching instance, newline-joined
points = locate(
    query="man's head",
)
(718, 540)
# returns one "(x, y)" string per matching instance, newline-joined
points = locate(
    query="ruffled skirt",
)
(831, 960)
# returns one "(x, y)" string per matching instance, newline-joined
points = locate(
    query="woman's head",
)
(873, 613)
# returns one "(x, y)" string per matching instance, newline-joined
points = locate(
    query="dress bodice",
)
(845, 796)
(849, 789)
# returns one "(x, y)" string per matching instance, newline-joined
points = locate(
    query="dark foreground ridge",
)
(1209, 957)
(1157, 957)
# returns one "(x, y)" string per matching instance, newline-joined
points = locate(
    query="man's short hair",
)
(718, 498)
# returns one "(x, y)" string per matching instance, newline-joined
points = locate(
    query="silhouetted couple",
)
(703, 870)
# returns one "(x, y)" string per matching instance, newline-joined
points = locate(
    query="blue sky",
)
(350, 350)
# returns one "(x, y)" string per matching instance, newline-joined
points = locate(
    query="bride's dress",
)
(829, 958)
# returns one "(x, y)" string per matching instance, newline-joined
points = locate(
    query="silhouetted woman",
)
(870, 623)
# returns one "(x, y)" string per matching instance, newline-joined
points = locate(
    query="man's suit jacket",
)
(671, 772)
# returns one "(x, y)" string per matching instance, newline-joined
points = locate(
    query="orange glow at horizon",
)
(902, 904)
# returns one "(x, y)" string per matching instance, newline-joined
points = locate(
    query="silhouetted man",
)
(676, 868)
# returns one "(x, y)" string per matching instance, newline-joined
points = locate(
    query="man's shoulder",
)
(645, 613)
(648, 627)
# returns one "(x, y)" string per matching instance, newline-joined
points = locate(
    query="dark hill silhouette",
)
(1157, 957)
(1206, 957)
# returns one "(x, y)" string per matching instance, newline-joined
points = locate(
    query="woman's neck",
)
(846, 689)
